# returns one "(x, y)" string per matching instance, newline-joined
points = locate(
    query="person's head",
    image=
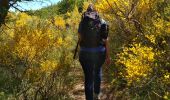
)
(91, 7)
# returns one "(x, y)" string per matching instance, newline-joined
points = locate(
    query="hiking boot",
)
(96, 97)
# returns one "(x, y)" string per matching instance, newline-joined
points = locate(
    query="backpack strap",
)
(104, 29)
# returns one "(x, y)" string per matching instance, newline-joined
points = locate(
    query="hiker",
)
(93, 41)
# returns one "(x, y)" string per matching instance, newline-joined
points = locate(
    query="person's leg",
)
(98, 73)
(97, 79)
(88, 68)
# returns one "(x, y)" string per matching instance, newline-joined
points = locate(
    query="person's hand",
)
(108, 60)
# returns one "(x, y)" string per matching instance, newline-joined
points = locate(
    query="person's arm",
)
(79, 37)
(105, 31)
(108, 59)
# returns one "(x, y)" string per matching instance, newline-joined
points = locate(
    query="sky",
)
(36, 4)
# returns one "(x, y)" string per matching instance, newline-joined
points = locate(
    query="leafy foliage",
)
(36, 57)
(142, 28)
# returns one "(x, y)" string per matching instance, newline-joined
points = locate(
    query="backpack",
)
(92, 30)
(104, 29)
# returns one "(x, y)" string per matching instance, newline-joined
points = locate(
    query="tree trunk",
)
(4, 7)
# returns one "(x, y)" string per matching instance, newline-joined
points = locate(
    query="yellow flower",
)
(59, 22)
(48, 66)
(137, 62)
(166, 76)
(152, 38)
(23, 18)
(59, 41)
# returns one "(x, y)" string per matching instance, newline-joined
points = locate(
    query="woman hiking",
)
(93, 41)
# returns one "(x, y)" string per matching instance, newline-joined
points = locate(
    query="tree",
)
(68, 5)
(4, 7)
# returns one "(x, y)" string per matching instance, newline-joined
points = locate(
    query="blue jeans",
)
(91, 63)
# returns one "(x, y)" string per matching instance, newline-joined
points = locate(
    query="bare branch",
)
(133, 9)
(12, 5)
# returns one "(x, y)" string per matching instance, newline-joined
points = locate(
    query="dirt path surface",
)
(78, 90)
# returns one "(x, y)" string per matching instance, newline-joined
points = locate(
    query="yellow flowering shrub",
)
(139, 37)
(48, 66)
(151, 37)
(138, 61)
(35, 50)
(74, 19)
(23, 18)
(59, 22)
(24, 48)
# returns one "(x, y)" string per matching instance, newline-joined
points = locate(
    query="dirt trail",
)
(78, 90)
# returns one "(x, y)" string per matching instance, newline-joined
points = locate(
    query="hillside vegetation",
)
(36, 54)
